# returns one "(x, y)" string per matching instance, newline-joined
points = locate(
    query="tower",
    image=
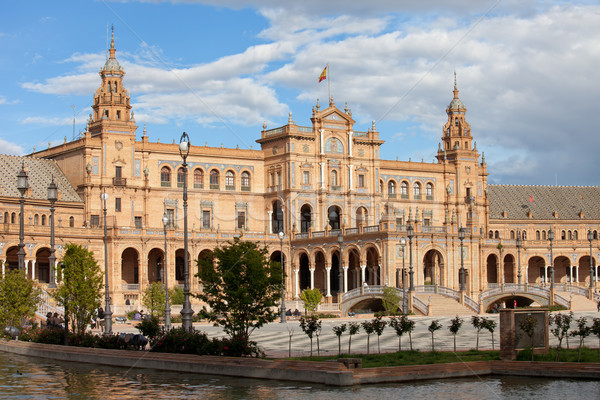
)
(457, 138)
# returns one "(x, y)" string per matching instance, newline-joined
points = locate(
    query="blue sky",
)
(527, 73)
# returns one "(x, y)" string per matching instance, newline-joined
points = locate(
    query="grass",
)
(412, 358)
(587, 355)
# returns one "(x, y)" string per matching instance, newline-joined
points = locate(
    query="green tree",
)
(490, 325)
(242, 288)
(176, 295)
(434, 326)
(582, 331)
(310, 325)
(311, 299)
(596, 331)
(378, 326)
(562, 324)
(154, 298)
(478, 323)
(391, 300)
(454, 327)
(527, 325)
(369, 328)
(339, 330)
(353, 328)
(81, 286)
(19, 298)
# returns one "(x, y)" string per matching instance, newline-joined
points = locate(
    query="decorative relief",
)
(334, 145)
(305, 148)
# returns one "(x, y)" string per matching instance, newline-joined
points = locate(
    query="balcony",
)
(120, 181)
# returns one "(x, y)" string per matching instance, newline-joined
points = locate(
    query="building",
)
(348, 217)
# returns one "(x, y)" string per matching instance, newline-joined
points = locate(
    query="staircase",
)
(441, 305)
(579, 302)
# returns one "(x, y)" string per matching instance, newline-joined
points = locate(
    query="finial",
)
(144, 130)
(483, 157)
(455, 86)
(34, 149)
(373, 128)
(318, 106)
(264, 125)
(290, 120)
(475, 146)
(346, 107)
(331, 102)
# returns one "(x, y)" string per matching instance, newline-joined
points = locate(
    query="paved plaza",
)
(274, 338)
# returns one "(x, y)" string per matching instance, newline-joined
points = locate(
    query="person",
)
(515, 304)
(49, 320)
(598, 305)
(137, 316)
(100, 318)
(57, 320)
(296, 313)
(288, 312)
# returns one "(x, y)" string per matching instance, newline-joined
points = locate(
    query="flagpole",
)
(328, 85)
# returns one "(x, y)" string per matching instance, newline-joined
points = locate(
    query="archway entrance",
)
(130, 267)
(305, 218)
(536, 270)
(304, 272)
(433, 268)
(492, 269)
(155, 265)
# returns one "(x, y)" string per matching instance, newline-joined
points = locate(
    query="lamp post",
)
(281, 235)
(551, 238)
(22, 187)
(186, 311)
(410, 231)
(461, 272)
(340, 240)
(519, 244)
(165, 220)
(52, 197)
(590, 238)
(107, 310)
(404, 299)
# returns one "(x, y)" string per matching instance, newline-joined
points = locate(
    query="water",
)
(35, 378)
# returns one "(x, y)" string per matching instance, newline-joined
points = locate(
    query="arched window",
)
(13, 218)
(36, 219)
(429, 191)
(245, 181)
(404, 188)
(563, 235)
(71, 222)
(334, 180)
(165, 177)
(198, 178)
(6, 217)
(512, 234)
(595, 234)
(497, 235)
(417, 190)
(543, 235)
(214, 179)
(392, 188)
(570, 235)
(305, 218)
(491, 234)
(381, 187)
(180, 177)
(537, 235)
(524, 235)
(229, 180)
(575, 235)
(43, 220)
(277, 217)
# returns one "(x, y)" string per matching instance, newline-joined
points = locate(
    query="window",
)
(214, 179)
(180, 177)
(537, 235)
(278, 178)
(361, 180)
(543, 235)
(165, 177)
(563, 235)
(334, 180)
(245, 181)
(575, 235)
(198, 179)
(381, 187)
(6, 217)
(417, 190)
(36, 219)
(71, 222)
(13, 218)
(491, 234)
(241, 219)
(272, 179)
(95, 221)
(229, 180)
(524, 235)
(426, 222)
(170, 218)
(43, 220)
(206, 219)
(117, 204)
(429, 191)
(404, 189)
(497, 235)
(305, 178)
(138, 222)
(392, 189)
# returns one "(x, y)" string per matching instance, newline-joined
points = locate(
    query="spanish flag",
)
(323, 75)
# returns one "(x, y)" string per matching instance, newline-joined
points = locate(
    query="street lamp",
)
(461, 272)
(519, 244)
(590, 238)
(340, 240)
(404, 299)
(165, 220)
(52, 197)
(551, 238)
(410, 231)
(22, 187)
(107, 310)
(186, 311)
(281, 235)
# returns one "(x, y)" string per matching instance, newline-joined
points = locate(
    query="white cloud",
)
(7, 147)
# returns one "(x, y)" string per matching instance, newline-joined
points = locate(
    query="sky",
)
(527, 72)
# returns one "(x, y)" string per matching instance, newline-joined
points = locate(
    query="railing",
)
(361, 291)
(48, 304)
(334, 232)
(446, 291)
(130, 286)
(433, 229)
(303, 235)
(425, 289)
(558, 299)
(120, 181)
(471, 303)
(351, 231)
(420, 305)
(372, 228)
(319, 234)
(329, 307)
(584, 291)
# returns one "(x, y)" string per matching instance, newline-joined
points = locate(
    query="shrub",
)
(150, 328)
(51, 335)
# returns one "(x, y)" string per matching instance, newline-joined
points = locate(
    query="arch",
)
(373, 271)
(13, 218)
(404, 188)
(36, 219)
(305, 218)
(535, 270)
(71, 221)
(334, 273)
(334, 217)
(304, 272)
(42, 265)
(12, 259)
(179, 265)
(320, 271)
(277, 217)
(6, 219)
(362, 216)
(354, 273)
(391, 188)
(215, 178)
(491, 234)
(198, 178)
(381, 186)
(180, 176)
(509, 268)
(496, 235)
(130, 266)
(229, 180)
(583, 273)
(434, 271)
(544, 235)
(165, 176)
(334, 179)
(155, 266)
(562, 266)
(492, 268)
(417, 189)
(429, 190)
(43, 220)
(245, 181)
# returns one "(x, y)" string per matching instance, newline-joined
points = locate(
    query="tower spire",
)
(112, 43)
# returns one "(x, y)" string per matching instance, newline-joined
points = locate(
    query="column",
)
(296, 282)
(345, 278)
(33, 270)
(545, 274)
(321, 144)
(351, 177)
(3, 267)
(350, 143)
(312, 278)
(576, 274)
(328, 280)
(270, 216)
(322, 175)
(362, 273)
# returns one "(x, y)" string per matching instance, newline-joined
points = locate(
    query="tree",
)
(369, 329)
(242, 288)
(582, 331)
(81, 286)
(479, 323)
(353, 328)
(339, 330)
(176, 295)
(378, 327)
(596, 331)
(310, 325)
(19, 298)
(154, 298)
(391, 300)
(402, 325)
(454, 327)
(434, 326)
(311, 299)
(527, 325)
(562, 324)
(490, 325)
